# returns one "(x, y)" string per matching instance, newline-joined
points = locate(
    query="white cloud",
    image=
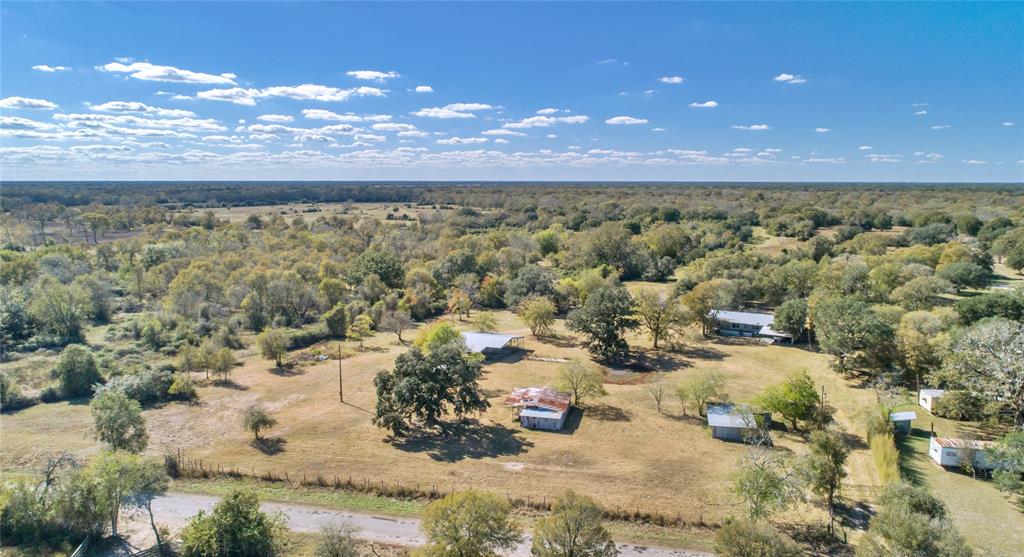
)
(657, 129)
(24, 103)
(551, 136)
(393, 127)
(548, 111)
(501, 141)
(752, 127)
(248, 97)
(865, 147)
(880, 157)
(424, 89)
(792, 79)
(462, 140)
(671, 79)
(278, 118)
(919, 104)
(134, 107)
(705, 104)
(941, 127)
(319, 114)
(150, 72)
(372, 75)
(625, 121)
(546, 121)
(821, 130)
(921, 113)
(502, 132)
(50, 69)
(1009, 124)
(468, 107)
(975, 161)
(443, 113)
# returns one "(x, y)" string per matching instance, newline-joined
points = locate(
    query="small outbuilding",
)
(946, 451)
(926, 398)
(902, 421)
(486, 343)
(746, 324)
(732, 422)
(540, 407)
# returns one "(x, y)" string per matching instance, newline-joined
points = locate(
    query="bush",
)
(887, 458)
(742, 538)
(960, 405)
(77, 372)
(147, 386)
(11, 397)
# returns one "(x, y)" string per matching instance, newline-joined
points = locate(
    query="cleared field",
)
(619, 449)
(311, 211)
(986, 518)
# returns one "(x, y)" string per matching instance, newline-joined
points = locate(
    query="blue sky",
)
(526, 91)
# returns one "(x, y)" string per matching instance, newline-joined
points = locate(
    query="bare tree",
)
(657, 391)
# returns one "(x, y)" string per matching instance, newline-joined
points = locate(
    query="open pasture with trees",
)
(216, 323)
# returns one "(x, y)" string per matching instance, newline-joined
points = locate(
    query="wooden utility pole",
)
(341, 385)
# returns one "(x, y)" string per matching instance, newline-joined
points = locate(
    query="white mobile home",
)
(950, 452)
(485, 343)
(926, 398)
(746, 324)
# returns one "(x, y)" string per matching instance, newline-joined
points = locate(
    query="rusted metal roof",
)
(539, 397)
(950, 443)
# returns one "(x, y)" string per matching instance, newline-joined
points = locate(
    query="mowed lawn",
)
(986, 517)
(619, 448)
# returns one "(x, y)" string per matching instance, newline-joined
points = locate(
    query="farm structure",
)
(746, 324)
(927, 398)
(902, 421)
(492, 343)
(540, 407)
(731, 422)
(946, 451)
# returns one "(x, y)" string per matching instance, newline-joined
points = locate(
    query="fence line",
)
(179, 466)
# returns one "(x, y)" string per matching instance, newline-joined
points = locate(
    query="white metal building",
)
(902, 421)
(746, 324)
(946, 451)
(926, 398)
(734, 422)
(491, 342)
(540, 407)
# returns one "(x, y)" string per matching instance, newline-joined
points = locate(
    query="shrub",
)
(960, 405)
(146, 387)
(77, 372)
(741, 538)
(887, 458)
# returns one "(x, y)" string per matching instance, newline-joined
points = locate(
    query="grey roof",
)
(933, 392)
(729, 415)
(902, 416)
(478, 342)
(743, 317)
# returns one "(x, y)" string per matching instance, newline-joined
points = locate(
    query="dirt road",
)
(176, 508)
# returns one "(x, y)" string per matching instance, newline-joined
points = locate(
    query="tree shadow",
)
(269, 445)
(854, 441)
(688, 419)
(909, 463)
(702, 353)
(230, 384)
(561, 341)
(288, 370)
(605, 413)
(462, 440)
(660, 360)
(856, 516)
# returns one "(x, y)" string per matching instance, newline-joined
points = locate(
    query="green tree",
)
(707, 296)
(486, 322)
(425, 386)
(469, 524)
(911, 521)
(539, 314)
(399, 321)
(124, 480)
(235, 527)
(988, 361)
(433, 337)
(573, 529)
(701, 389)
(742, 538)
(791, 318)
(118, 421)
(76, 371)
(765, 483)
(255, 418)
(336, 320)
(846, 328)
(360, 329)
(337, 541)
(60, 309)
(581, 381)
(273, 344)
(603, 320)
(963, 274)
(659, 313)
(795, 399)
(824, 468)
(1008, 456)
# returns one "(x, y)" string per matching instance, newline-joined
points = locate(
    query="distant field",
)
(310, 211)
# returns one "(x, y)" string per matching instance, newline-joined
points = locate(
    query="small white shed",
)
(946, 451)
(733, 422)
(927, 397)
(901, 421)
(540, 407)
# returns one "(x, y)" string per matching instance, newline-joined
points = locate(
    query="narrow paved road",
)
(176, 508)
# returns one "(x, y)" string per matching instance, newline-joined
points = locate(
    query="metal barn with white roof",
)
(491, 342)
(746, 324)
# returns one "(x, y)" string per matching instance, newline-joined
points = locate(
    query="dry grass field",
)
(311, 211)
(619, 448)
